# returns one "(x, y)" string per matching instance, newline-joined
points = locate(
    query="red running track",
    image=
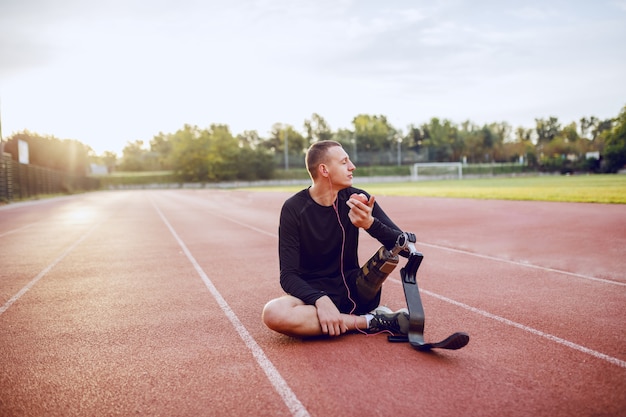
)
(148, 303)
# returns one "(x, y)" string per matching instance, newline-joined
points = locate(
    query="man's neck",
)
(323, 194)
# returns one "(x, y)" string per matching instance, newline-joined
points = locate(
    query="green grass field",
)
(574, 188)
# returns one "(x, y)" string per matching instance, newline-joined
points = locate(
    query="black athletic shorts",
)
(344, 294)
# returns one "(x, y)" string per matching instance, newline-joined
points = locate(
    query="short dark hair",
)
(317, 154)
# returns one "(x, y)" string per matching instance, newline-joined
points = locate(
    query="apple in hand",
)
(361, 197)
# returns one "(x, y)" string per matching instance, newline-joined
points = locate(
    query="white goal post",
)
(436, 170)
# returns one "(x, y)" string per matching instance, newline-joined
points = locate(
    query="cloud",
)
(126, 69)
(620, 5)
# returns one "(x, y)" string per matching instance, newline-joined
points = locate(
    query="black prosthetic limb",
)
(374, 273)
(405, 245)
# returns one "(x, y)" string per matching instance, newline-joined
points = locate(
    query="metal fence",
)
(362, 158)
(22, 181)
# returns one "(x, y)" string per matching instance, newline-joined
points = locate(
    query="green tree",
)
(442, 140)
(296, 145)
(255, 164)
(588, 126)
(520, 146)
(213, 154)
(570, 133)
(222, 154)
(501, 133)
(109, 159)
(134, 156)
(317, 129)
(347, 139)
(473, 142)
(414, 138)
(190, 149)
(67, 155)
(161, 145)
(546, 129)
(249, 139)
(614, 157)
(373, 133)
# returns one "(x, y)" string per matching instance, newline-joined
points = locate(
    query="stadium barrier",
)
(23, 181)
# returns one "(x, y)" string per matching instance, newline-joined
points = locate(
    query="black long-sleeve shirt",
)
(311, 242)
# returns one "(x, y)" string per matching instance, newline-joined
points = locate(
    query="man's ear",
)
(323, 170)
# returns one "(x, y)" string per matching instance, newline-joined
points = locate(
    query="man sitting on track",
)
(328, 293)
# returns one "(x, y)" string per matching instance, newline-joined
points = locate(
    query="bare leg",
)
(289, 315)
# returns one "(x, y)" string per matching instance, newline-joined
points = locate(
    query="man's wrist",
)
(321, 295)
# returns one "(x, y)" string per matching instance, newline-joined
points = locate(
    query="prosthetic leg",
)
(375, 272)
(405, 245)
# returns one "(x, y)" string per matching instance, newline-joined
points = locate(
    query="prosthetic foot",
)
(405, 245)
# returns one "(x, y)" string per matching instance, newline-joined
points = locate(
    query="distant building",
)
(98, 169)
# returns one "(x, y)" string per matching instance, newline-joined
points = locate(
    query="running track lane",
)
(506, 370)
(119, 323)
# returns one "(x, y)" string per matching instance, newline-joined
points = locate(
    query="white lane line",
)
(464, 252)
(567, 343)
(256, 229)
(275, 378)
(16, 230)
(47, 269)
(524, 264)
(536, 332)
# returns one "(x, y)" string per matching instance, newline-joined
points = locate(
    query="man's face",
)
(339, 167)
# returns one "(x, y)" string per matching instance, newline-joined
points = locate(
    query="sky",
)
(107, 73)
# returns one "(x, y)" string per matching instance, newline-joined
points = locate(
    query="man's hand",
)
(329, 317)
(360, 213)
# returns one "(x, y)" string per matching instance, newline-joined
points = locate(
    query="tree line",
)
(215, 154)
